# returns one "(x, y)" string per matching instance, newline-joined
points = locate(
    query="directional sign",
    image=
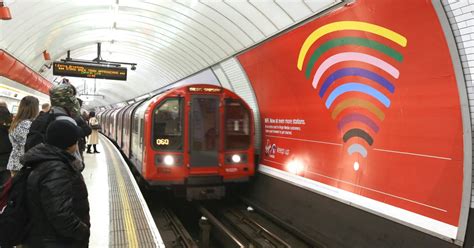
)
(89, 71)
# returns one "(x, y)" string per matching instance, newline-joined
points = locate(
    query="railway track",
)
(238, 226)
(217, 224)
(173, 232)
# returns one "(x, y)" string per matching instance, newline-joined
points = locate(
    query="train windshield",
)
(237, 125)
(167, 125)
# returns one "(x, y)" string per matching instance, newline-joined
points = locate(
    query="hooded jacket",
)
(57, 199)
(40, 124)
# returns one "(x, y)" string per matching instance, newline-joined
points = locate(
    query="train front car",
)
(200, 137)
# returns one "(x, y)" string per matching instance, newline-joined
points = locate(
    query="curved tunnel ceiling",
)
(169, 40)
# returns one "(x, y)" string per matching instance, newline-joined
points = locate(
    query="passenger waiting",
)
(27, 112)
(93, 139)
(44, 108)
(64, 106)
(56, 193)
(86, 131)
(5, 144)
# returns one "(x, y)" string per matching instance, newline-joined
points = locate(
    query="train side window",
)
(135, 124)
(168, 125)
(237, 125)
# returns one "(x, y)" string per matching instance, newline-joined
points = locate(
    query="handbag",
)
(96, 126)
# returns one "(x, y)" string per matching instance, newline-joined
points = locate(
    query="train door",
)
(204, 131)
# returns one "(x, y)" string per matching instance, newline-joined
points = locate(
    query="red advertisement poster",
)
(362, 104)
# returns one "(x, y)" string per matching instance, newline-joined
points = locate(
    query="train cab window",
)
(237, 125)
(168, 125)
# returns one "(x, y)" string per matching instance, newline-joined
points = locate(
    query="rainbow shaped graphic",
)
(333, 89)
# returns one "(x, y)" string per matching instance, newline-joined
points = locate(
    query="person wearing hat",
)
(64, 106)
(56, 193)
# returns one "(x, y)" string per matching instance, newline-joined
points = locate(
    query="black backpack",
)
(14, 218)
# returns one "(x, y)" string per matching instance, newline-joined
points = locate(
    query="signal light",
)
(5, 12)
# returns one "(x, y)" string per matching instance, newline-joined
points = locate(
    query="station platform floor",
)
(119, 215)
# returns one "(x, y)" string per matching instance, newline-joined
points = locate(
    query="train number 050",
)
(162, 142)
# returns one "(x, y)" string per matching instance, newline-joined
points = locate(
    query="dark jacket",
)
(57, 199)
(86, 131)
(40, 124)
(5, 147)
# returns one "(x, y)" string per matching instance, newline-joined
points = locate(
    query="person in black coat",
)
(56, 193)
(86, 131)
(5, 144)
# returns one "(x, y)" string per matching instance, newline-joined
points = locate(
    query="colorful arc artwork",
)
(339, 90)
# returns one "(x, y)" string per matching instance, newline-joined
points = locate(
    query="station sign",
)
(89, 71)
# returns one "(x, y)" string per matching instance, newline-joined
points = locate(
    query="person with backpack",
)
(64, 106)
(57, 203)
(20, 126)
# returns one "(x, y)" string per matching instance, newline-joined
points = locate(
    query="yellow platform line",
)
(127, 210)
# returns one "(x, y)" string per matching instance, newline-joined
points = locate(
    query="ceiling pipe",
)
(4, 12)
(15, 70)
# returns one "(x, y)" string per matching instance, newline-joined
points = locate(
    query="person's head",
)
(45, 107)
(28, 110)
(3, 104)
(64, 95)
(5, 117)
(63, 134)
(91, 114)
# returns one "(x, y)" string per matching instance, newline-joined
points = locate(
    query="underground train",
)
(196, 138)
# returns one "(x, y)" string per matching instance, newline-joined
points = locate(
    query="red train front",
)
(198, 136)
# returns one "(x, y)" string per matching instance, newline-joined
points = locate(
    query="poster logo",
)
(367, 106)
(270, 149)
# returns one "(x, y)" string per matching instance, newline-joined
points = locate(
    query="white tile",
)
(467, 30)
(454, 4)
(464, 17)
(464, 24)
(467, 9)
(469, 50)
(457, 12)
(468, 44)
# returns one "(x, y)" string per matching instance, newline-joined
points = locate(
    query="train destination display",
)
(89, 71)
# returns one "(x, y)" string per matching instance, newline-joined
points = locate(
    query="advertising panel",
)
(362, 105)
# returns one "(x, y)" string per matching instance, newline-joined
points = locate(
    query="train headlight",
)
(236, 158)
(168, 160)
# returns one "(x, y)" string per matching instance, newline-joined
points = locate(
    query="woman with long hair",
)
(27, 112)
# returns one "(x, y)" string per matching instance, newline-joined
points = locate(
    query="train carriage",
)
(198, 136)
